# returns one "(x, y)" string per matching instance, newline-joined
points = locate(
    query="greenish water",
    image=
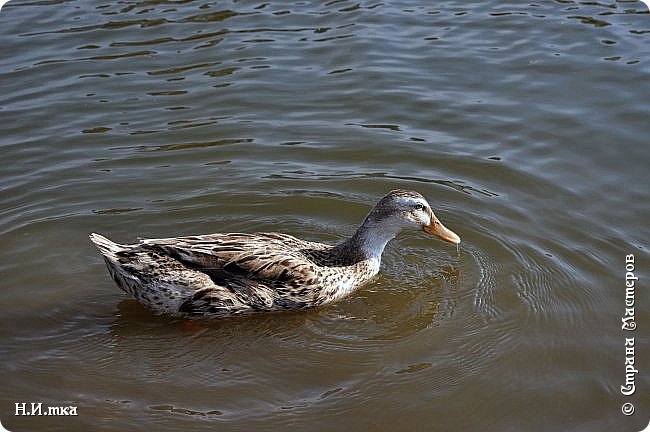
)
(525, 125)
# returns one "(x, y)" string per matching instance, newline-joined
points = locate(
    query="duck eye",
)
(418, 206)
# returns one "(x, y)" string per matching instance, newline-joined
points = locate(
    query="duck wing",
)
(248, 262)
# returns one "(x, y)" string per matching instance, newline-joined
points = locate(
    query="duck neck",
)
(370, 240)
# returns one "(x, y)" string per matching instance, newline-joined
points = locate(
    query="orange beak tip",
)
(452, 237)
(443, 233)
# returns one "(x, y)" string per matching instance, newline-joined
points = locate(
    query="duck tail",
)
(118, 261)
(105, 246)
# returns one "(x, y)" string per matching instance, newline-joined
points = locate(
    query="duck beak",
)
(437, 229)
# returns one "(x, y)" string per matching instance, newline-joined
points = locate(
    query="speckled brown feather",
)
(226, 274)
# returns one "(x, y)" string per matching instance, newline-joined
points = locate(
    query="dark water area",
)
(526, 126)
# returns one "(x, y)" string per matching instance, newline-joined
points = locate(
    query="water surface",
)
(525, 124)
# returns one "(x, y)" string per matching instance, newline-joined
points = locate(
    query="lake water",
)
(526, 125)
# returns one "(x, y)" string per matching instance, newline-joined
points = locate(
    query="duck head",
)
(403, 209)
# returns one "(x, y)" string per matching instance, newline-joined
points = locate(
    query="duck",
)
(227, 274)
